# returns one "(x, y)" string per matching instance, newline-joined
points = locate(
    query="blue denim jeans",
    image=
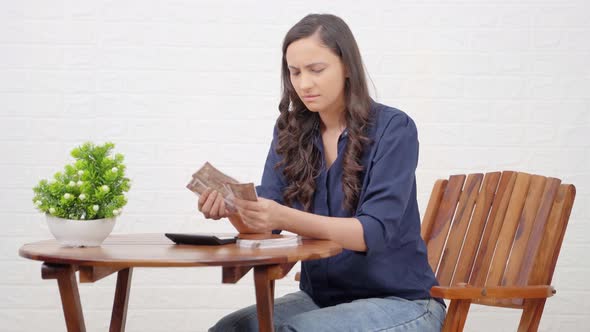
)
(298, 312)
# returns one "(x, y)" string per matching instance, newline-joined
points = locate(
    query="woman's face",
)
(317, 74)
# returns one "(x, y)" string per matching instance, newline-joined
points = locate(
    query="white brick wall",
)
(492, 85)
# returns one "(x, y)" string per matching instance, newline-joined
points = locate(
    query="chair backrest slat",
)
(506, 238)
(492, 230)
(440, 227)
(459, 226)
(431, 210)
(524, 226)
(552, 237)
(483, 204)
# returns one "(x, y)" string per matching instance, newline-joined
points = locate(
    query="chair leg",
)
(531, 315)
(456, 315)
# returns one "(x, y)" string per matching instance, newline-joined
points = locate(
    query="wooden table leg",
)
(68, 290)
(119, 315)
(264, 298)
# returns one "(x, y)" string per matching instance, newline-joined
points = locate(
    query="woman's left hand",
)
(261, 216)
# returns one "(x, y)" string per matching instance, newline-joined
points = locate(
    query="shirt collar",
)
(318, 136)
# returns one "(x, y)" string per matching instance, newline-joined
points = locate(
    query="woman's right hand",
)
(212, 205)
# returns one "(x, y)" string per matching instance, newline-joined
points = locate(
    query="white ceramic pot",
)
(80, 233)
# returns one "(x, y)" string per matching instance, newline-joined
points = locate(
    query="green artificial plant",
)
(92, 187)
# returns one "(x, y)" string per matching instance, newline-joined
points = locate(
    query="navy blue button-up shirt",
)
(395, 263)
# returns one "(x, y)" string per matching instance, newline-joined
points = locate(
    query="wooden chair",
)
(484, 239)
(494, 240)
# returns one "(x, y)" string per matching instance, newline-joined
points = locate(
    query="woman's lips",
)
(310, 97)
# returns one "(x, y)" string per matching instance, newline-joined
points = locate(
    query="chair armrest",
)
(498, 292)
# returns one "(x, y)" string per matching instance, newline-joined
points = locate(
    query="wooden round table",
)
(121, 253)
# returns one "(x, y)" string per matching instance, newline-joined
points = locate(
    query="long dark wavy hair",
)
(297, 126)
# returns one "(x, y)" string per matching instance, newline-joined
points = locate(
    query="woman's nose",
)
(305, 82)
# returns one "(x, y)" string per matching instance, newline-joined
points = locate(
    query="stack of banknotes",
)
(210, 177)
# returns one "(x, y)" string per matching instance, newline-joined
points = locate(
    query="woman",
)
(340, 167)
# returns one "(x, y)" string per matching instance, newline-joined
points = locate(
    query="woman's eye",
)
(294, 73)
(317, 70)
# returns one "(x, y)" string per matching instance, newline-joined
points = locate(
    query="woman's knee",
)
(285, 307)
(298, 323)
(291, 327)
(242, 320)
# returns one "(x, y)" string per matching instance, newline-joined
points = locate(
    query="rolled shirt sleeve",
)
(273, 182)
(391, 180)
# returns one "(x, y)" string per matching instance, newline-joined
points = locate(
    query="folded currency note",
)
(276, 241)
(210, 177)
